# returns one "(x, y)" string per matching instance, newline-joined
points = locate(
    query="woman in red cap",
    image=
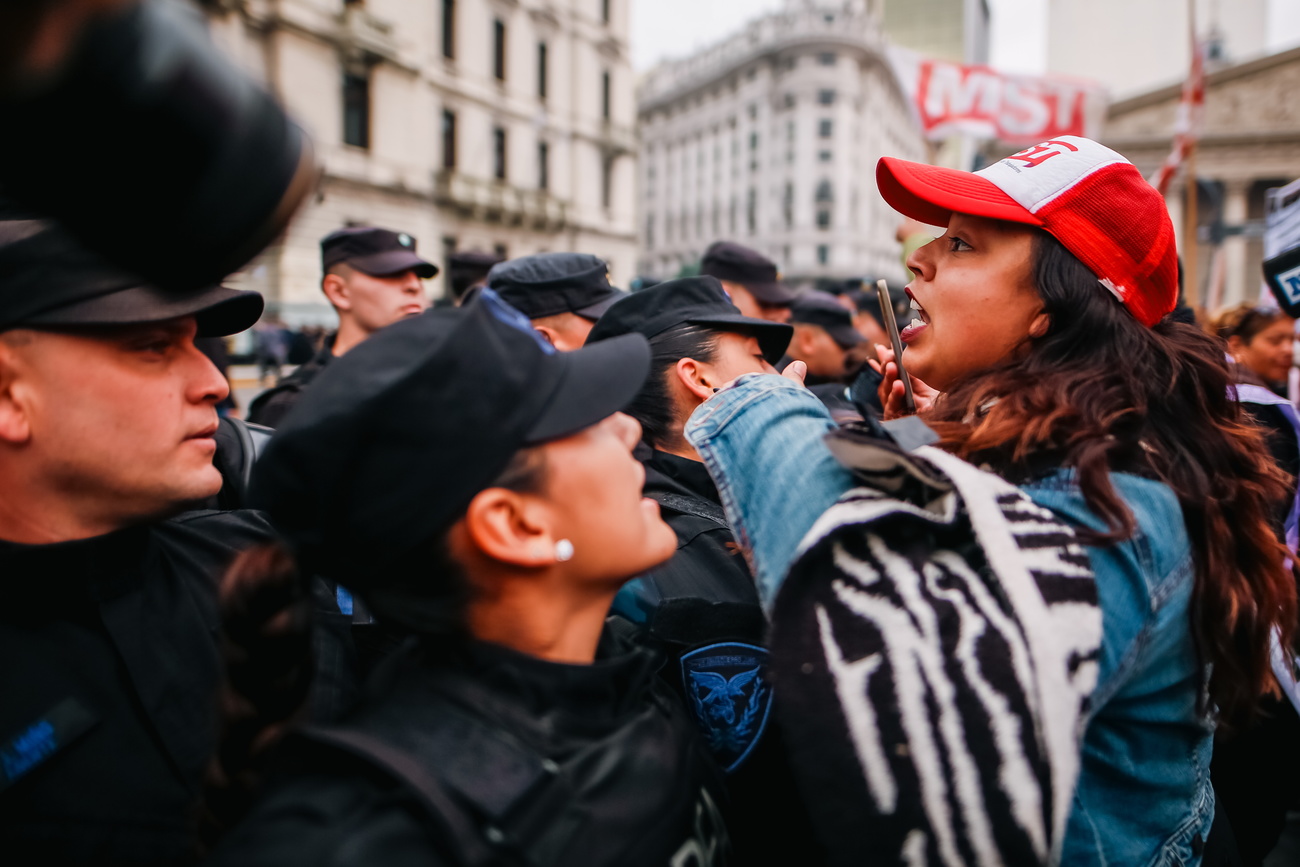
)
(1041, 349)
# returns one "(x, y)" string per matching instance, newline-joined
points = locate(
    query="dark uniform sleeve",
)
(327, 821)
(270, 407)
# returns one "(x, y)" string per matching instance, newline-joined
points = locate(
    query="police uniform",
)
(460, 751)
(549, 284)
(109, 644)
(702, 606)
(370, 250)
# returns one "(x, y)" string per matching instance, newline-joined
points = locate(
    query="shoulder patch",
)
(729, 696)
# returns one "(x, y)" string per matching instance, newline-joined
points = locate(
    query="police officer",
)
(702, 605)
(562, 293)
(108, 627)
(823, 335)
(750, 278)
(372, 279)
(466, 270)
(477, 487)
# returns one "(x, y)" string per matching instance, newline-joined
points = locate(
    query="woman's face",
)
(1269, 353)
(737, 354)
(977, 303)
(593, 492)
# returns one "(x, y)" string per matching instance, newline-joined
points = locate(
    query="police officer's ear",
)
(14, 424)
(696, 378)
(509, 528)
(335, 287)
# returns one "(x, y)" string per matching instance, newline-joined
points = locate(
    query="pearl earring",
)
(563, 551)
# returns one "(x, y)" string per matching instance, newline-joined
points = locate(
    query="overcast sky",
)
(671, 28)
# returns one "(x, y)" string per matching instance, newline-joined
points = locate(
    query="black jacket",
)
(703, 608)
(109, 669)
(271, 406)
(469, 753)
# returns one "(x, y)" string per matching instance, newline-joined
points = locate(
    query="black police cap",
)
(688, 301)
(374, 251)
(734, 263)
(49, 280)
(823, 310)
(551, 283)
(387, 448)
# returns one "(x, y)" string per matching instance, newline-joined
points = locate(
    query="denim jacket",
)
(1144, 794)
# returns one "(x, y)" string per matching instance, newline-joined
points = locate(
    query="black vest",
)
(511, 760)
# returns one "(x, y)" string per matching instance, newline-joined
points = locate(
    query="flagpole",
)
(1191, 287)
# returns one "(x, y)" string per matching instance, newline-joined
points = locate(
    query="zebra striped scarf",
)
(933, 650)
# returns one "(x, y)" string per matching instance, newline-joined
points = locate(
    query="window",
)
(356, 109)
(650, 232)
(731, 216)
(825, 97)
(753, 141)
(498, 153)
(787, 205)
(789, 131)
(541, 71)
(824, 192)
(789, 100)
(449, 28)
(826, 58)
(607, 182)
(448, 250)
(501, 250)
(823, 254)
(823, 219)
(543, 165)
(604, 11)
(753, 111)
(668, 228)
(448, 139)
(604, 94)
(499, 49)
(824, 156)
(751, 211)
(824, 128)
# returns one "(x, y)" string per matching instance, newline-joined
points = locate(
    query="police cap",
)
(374, 251)
(688, 301)
(49, 280)
(821, 309)
(734, 263)
(552, 283)
(393, 440)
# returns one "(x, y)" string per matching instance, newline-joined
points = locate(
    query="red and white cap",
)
(1084, 194)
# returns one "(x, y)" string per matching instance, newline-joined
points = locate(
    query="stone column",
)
(1234, 246)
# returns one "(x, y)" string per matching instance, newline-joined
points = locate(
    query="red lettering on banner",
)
(1040, 152)
(951, 97)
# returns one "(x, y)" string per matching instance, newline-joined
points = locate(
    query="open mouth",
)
(920, 321)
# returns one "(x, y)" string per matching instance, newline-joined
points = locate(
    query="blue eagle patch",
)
(729, 697)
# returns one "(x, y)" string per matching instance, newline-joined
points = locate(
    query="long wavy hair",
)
(1101, 393)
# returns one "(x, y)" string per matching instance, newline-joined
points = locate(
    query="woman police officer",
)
(477, 488)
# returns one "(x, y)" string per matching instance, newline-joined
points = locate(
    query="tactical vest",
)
(641, 794)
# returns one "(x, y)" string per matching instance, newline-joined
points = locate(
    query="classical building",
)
(771, 138)
(1132, 47)
(1249, 144)
(955, 30)
(471, 124)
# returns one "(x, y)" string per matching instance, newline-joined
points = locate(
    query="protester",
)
(1041, 350)
(1261, 341)
(270, 348)
(750, 279)
(107, 423)
(372, 279)
(562, 293)
(478, 487)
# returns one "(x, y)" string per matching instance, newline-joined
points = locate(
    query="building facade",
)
(954, 30)
(1250, 143)
(1134, 47)
(770, 138)
(502, 125)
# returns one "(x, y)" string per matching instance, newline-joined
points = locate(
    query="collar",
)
(85, 570)
(680, 475)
